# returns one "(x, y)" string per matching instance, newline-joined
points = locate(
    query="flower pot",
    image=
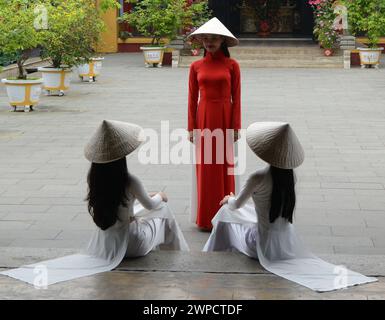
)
(370, 56)
(328, 52)
(23, 93)
(153, 56)
(264, 28)
(90, 70)
(55, 79)
(195, 52)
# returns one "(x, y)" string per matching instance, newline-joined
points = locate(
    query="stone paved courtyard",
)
(339, 116)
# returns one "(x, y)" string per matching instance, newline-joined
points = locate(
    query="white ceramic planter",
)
(55, 79)
(153, 56)
(23, 93)
(370, 56)
(90, 70)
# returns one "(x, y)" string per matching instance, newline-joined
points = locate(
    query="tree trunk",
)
(21, 75)
(20, 63)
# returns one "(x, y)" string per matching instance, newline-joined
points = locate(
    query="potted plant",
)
(367, 17)
(157, 19)
(324, 29)
(74, 29)
(19, 35)
(266, 11)
(90, 68)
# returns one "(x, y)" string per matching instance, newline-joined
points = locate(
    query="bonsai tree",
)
(366, 17)
(18, 33)
(159, 18)
(74, 30)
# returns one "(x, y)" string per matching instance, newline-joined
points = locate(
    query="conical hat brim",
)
(276, 143)
(113, 140)
(214, 26)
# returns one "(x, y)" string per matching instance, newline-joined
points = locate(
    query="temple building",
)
(290, 25)
(293, 20)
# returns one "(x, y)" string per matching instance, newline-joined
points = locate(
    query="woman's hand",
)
(226, 199)
(163, 195)
(237, 135)
(130, 219)
(191, 136)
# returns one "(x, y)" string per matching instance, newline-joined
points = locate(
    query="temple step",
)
(309, 56)
(193, 261)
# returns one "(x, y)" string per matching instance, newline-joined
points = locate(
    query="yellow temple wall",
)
(109, 42)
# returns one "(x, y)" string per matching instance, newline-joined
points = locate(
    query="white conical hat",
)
(214, 26)
(113, 140)
(275, 143)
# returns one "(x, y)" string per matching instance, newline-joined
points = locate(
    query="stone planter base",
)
(90, 70)
(153, 56)
(55, 80)
(370, 57)
(23, 93)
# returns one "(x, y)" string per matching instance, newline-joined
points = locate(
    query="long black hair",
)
(107, 183)
(223, 47)
(283, 194)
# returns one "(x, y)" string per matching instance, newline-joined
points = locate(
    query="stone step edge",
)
(291, 58)
(266, 66)
(270, 63)
(193, 261)
(281, 51)
(284, 57)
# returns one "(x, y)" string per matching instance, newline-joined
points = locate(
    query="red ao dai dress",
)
(214, 102)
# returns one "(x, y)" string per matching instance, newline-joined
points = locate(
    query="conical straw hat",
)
(214, 26)
(275, 143)
(113, 140)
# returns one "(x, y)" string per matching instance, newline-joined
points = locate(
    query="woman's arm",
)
(236, 96)
(193, 93)
(246, 192)
(137, 189)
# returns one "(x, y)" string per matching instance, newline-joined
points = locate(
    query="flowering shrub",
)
(324, 17)
(198, 14)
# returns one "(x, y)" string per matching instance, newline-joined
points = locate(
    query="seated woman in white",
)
(266, 232)
(122, 228)
(111, 195)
